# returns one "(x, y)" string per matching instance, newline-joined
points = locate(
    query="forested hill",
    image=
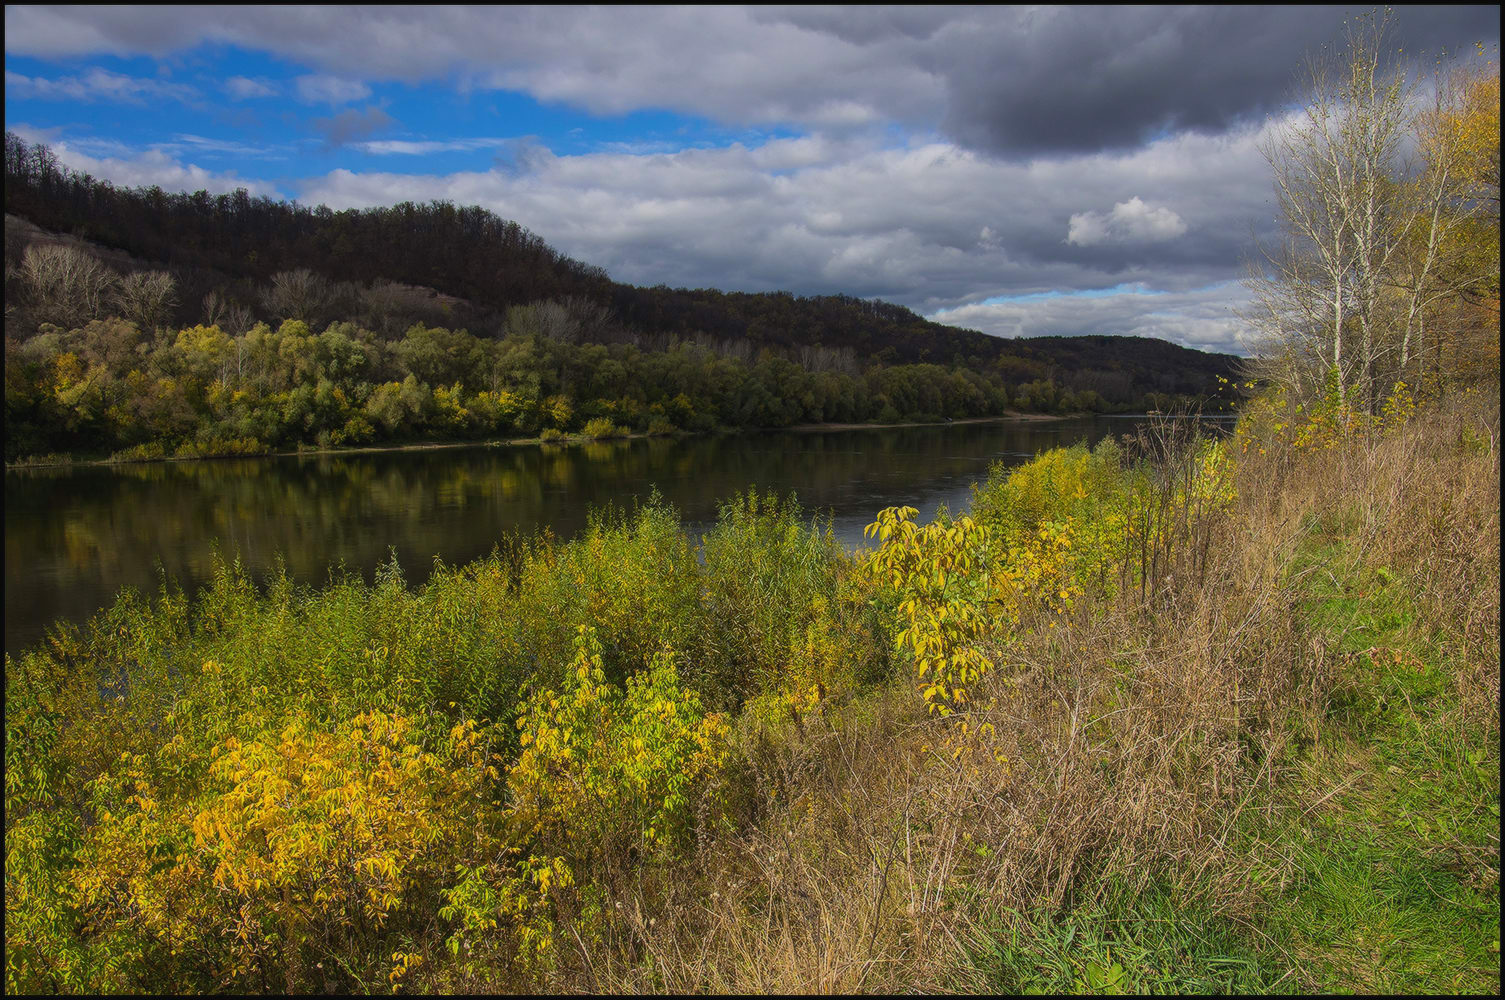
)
(233, 244)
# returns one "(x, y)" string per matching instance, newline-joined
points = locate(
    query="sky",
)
(1022, 171)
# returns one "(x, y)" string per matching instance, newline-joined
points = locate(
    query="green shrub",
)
(661, 427)
(602, 427)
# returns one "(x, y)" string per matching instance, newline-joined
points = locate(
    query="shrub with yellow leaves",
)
(1272, 423)
(318, 833)
(605, 772)
(608, 766)
(301, 844)
(943, 598)
(506, 910)
(1037, 575)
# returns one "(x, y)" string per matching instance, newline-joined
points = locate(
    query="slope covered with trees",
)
(138, 319)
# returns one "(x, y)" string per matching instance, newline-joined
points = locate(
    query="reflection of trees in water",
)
(75, 537)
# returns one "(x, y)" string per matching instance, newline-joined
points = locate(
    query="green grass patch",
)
(1149, 941)
(1383, 909)
(1388, 836)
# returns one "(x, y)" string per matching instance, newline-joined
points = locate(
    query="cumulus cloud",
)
(1131, 221)
(148, 168)
(1008, 81)
(86, 144)
(1205, 318)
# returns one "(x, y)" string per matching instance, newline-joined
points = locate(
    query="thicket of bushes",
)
(108, 387)
(627, 763)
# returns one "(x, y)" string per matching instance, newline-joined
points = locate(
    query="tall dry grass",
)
(1120, 748)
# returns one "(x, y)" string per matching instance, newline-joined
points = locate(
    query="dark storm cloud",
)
(1080, 79)
(1014, 82)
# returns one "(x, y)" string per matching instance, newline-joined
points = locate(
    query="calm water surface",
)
(75, 537)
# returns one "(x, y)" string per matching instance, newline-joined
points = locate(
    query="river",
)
(75, 536)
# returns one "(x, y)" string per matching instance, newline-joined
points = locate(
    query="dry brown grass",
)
(1125, 745)
(1443, 529)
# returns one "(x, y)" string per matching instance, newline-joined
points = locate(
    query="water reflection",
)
(74, 537)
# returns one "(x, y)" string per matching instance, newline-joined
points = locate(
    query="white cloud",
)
(1131, 221)
(184, 142)
(55, 136)
(244, 88)
(152, 167)
(96, 85)
(1204, 318)
(403, 147)
(318, 88)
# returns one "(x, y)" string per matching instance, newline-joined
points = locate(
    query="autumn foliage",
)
(635, 760)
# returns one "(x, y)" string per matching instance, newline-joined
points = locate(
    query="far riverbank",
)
(68, 460)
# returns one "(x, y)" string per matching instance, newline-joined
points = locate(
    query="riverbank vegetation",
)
(105, 388)
(121, 386)
(1169, 714)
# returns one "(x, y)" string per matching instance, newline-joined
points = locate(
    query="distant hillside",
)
(232, 245)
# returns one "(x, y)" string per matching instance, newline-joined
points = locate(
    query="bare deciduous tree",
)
(146, 298)
(816, 358)
(65, 285)
(383, 306)
(215, 307)
(570, 321)
(555, 321)
(1342, 209)
(1379, 222)
(299, 294)
(238, 319)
